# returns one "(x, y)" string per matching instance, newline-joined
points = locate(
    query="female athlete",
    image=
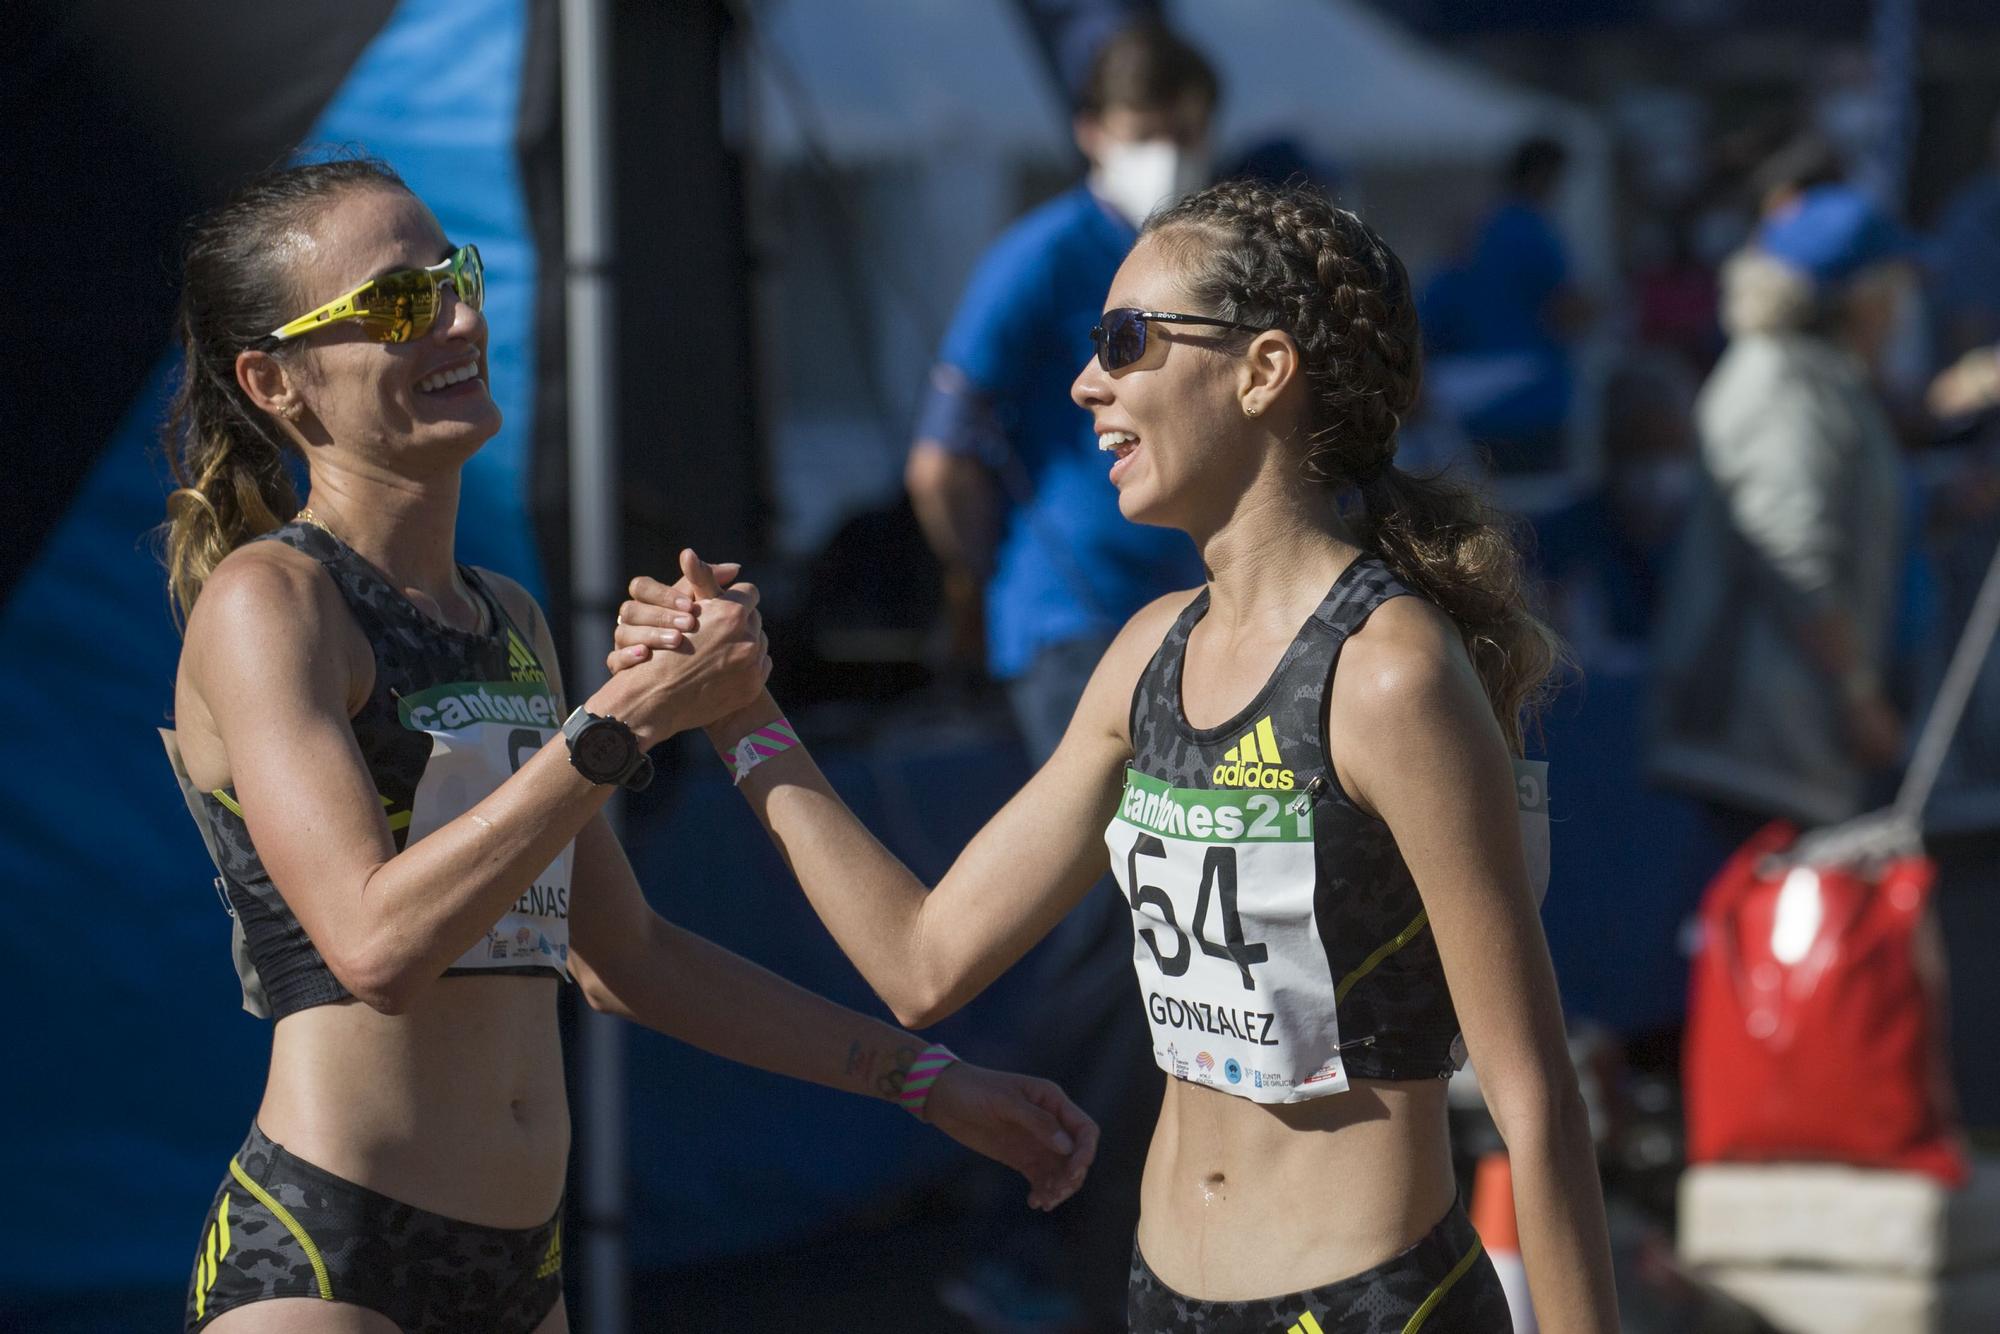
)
(367, 735)
(1301, 775)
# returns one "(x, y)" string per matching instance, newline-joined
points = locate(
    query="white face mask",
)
(1137, 178)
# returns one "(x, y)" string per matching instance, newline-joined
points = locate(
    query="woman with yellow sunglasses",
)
(367, 735)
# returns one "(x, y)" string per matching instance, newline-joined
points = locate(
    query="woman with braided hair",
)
(1305, 777)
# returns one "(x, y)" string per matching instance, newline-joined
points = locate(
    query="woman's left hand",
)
(659, 616)
(1028, 1124)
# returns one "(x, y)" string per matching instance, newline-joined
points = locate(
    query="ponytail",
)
(1442, 539)
(231, 482)
(1287, 258)
(227, 456)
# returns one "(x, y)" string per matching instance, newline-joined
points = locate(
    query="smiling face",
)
(418, 406)
(1173, 422)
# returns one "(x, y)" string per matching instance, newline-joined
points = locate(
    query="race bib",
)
(1234, 975)
(1227, 945)
(481, 733)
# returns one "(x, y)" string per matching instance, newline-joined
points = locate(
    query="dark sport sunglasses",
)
(399, 306)
(1121, 338)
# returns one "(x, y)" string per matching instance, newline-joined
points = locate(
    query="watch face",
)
(603, 750)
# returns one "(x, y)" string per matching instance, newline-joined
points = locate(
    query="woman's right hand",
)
(713, 669)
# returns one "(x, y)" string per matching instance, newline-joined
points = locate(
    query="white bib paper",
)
(1221, 886)
(481, 733)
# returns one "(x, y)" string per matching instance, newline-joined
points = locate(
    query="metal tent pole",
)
(594, 588)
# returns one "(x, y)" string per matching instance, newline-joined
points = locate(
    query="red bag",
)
(1814, 1017)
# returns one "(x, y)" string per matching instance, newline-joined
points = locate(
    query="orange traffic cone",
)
(1493, 1220)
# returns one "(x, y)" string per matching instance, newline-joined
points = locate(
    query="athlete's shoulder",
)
(259, 581)
(1408, 647)
(1406, 663)
(270, 621)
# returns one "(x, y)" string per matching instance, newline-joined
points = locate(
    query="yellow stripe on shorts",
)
(1438, 1293)
(284, 1215)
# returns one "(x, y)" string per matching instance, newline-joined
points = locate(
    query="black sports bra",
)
(452, 714)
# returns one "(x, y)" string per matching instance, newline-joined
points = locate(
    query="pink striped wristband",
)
(923, 1072)
(770, 739)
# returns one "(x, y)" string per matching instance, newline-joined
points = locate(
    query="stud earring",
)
(1249, 412)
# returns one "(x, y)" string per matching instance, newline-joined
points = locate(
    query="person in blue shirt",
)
(1006, 477)
(1510, 306)
(1015, 496)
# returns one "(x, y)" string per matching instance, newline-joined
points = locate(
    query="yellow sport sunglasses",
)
(399, 306)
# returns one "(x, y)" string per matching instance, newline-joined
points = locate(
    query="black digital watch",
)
(605, 750)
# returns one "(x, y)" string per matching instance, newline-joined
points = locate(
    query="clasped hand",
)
(688, 653)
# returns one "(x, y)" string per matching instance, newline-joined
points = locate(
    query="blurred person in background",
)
(1004, 472)
(1009, 486)
(1772, 644)
(1499, 320)
(1962, 260)
(409, 834)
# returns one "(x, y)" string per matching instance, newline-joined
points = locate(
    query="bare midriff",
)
(456, 1106)
(1244, 1200)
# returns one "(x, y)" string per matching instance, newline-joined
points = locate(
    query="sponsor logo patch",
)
(1254, 761)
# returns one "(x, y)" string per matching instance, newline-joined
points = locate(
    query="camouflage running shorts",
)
(281, 1227)
(1444, 1284)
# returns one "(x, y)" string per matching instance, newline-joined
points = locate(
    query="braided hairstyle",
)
(226, 454)
(1285, 257)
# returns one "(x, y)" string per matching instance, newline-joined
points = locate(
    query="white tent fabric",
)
(939, 116)
(888, 80)
(1339, 76)
(1344, 81)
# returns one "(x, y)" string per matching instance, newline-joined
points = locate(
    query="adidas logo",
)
(1254, 761)
(1305, 1325)
(521, 661)
(552, 1258)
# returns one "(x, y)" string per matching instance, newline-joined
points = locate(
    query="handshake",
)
(688, 654)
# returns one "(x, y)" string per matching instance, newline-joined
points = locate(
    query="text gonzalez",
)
(1216, 1020)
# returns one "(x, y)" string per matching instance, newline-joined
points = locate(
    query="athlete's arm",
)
(633, 963)
(1417, 744)
(276, 660)
(928, 952)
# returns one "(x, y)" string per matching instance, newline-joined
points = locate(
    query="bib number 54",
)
(1218, 882)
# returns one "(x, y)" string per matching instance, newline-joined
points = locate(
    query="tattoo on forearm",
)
(900, 1060)
(880, 1070)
